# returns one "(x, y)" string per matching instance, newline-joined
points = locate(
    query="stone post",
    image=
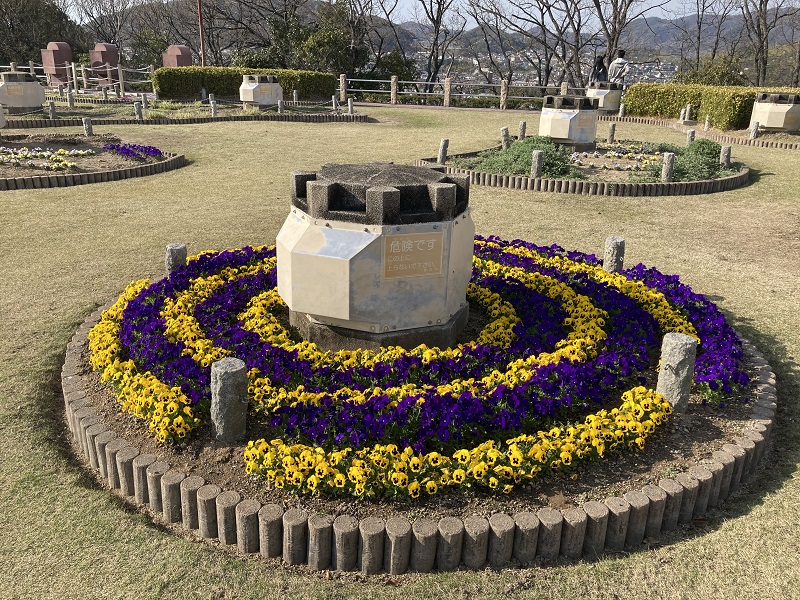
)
(683, 115)
(175, 256)
(61, 89)
(335, 102)
(228, 399)
(688, 112)
(117, 91)
(145, 101)
(51, 108)
(393, 90)
(121, 79)
(105, 94)
(503, 94)
(677, 369)
(668, 167)
(70, 99)
(83, 76)
(343, 87)
(213, 104)
(505, 139)
(74, 76)
(212, 98)
(31, 68)
(725, 156)
(690, 135)
(442, 158)
(13, 66)
(523, 126)
(614, 254)
(707, 124)
(295, 96)
(448, 83)
(137, 109)
(537, 161)
(621, 110)
(87, 127)
(350, 110)
(612, 133)
(564, 88)
(754, 130)
(280, 107)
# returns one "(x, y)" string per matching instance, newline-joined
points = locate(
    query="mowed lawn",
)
(63, 252)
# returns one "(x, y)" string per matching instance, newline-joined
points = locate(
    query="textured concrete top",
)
(381, 175)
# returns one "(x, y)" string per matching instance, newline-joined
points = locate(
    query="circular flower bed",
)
(556, 378)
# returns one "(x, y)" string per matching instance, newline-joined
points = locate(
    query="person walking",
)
(618, 68)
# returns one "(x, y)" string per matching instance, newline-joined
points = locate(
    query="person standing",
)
(618, 68)
(599, 71)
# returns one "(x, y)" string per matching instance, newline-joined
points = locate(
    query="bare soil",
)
(100, 161)
(673, 448)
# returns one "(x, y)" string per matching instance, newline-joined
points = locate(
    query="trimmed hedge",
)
(728, 107)
(187, 82)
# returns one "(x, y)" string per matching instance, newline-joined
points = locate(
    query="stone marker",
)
(707, 124)
(526, 537)
(668, 167)
(137, 111)
(105, 94)
(612, 133)
(176, 255)
(189, 487)
(754, 130)
(226, 516)
(505, 139)
(213, 105)
(295, 536)
(320, 541)
(501, 539)
(689, 112)
(550, 524)
(88, 131)
(677, 369)
(450, 543)
(564, 88)
(207, 510)
(690, 136)
(70, 99)
(270, 530)
(621, 113)
(51, 108)
(594, 541)
(683, 114)
(247, 526)
(725, 157)
(370, 544)
(228, 399)
(145, 101)
(345, 543)
(425, 535)
(614, 254)
(442, 158)
(280, 107)
(334, 102)
(537, 162)
(476, 542)
(522, 130)
(397, 546)
(295, 96)
(350, 109)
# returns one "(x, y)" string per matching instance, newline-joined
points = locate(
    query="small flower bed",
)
(135, 151)
(41, 158)
(555, 379)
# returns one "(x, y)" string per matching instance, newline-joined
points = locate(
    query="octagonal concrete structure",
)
(608, 94)
(776, 112)
(570, 120)
(260, 90)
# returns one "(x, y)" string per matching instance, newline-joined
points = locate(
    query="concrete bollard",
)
(618, 514)
(450, 543)
(370, 545)
(334, 102)
(212, 98)
(397, 546)
(655, 514)
(612, 133)
(295, 96)
(176, 255)
(668, 167)
(320, 542)
(88, 130)
(155, 472)
(505, 139)
(682, 117)
(228, 399)
(213, 105)
(727, 461)
(270, 530)
(51, 109)
(70, 99)
(171, 495)
(137, 111)
(476, 542)
(523, 126)
(537, 162)
(189, 487)
(125, 467)
(754, 130)
(621, 113)
(614, 256)
(247, 526)
(345, 543)
(594, 541)
(140, 489)
(207, 510)
(672, 505)
(573, 533)
(739, 456)
(112, 448)
(705, 480)
(442, 157)
(690, 135)
(424, 536)
(677, 369)
(501, 539)
(526, 537)
(105, 94)
(690, 486)
(564, 88)
(226, 516)
(145, 101)
(295, 536)
(117, 91)
(61, 89)
(689, 112)
(637, 518)
(551, 523)
(725, 157)
(707, 124)
(280, 107)
(350, 107)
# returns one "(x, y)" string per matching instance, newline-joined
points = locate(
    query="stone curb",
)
(36, 182)
(396, 546)
(302, 118)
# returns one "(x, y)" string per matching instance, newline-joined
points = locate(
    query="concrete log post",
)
(295, 536)
(476, 542)
(501, 539)
(270, 530)
(424, 539)
(594, 541)
(551, 522)
(207, 510)
(637, 518)
(619, 511)
(171, 495)
(450, 543)
(526, 537)
(345, 543)
(672, 504)
(573, 533)
(155, 472)
(320, 542)
(189, 487)
(247, 526)
(397, 546)
(371, 532)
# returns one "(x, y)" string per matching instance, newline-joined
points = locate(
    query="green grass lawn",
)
(66, 251)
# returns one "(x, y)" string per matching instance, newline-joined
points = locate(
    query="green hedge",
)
(187, 82)
(729, 107)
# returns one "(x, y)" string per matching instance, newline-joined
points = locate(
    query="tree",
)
(443, 24)
(29, 25)
(615, 15)
(105, 20)
(337, 43)
(761, 17)
(701, 32)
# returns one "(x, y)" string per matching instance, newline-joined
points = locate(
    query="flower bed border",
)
(302, 118)
(35, 182)
(394, 545)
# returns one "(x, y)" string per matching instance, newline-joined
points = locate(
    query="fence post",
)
(74, 77)
(447, 85)
(343, 87)
(153, 80)
(503, 94)
(393, 94)
(109, 77)
(121, 79)
(442, 158)
(31, 68)
(564, 88)
(84, 77)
